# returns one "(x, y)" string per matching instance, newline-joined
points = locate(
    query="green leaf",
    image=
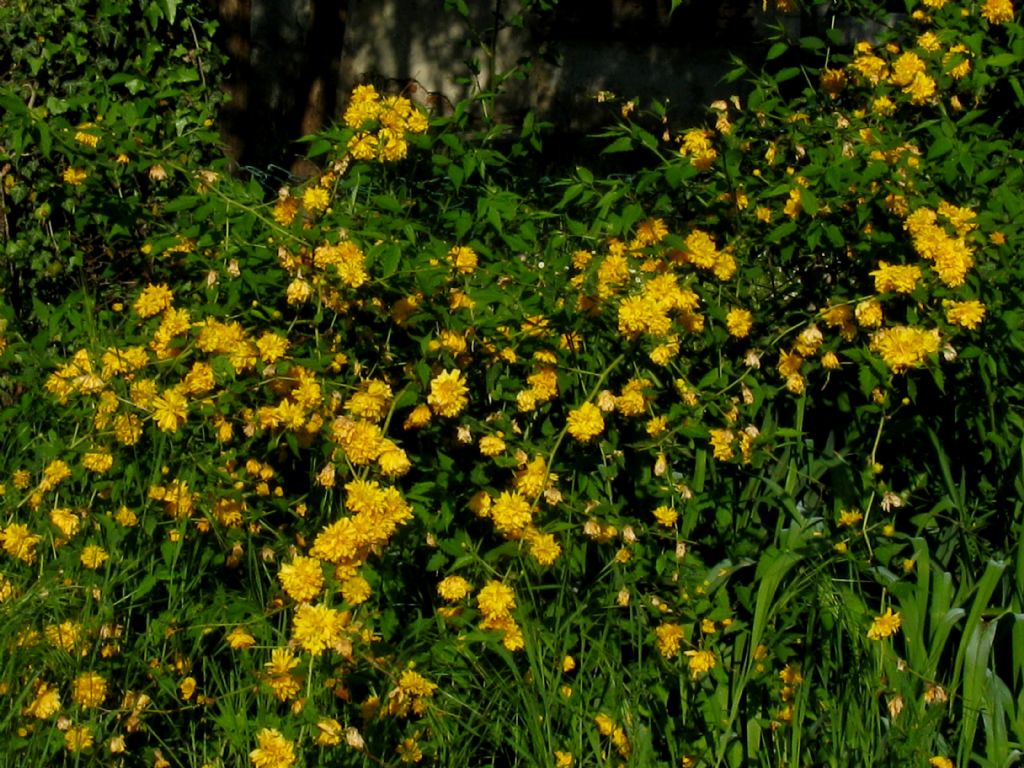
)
(622, 144)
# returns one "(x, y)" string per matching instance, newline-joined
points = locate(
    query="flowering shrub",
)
(424, 461)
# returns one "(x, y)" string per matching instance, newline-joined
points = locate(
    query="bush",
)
(425, 460)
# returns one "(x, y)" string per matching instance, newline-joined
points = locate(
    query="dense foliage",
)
(427, 460)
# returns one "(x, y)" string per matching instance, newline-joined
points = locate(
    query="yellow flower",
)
(317, 627)
(721, 443)
(170, 410)
(666, 516)
(302, 578)
(563, 759)
(93, 557)
(328, 732)
(896, 278)
(938, 761)
(511, 513)
(997, 11)
(492, 445)
(98, 461)
(279, 677)
(356, 590)
(371, 401)
(271, 347)
(848, 517)
(885, 625)
(833, 81)
(920, 89)
(126, 517)
(544, 548)
(869, 313)
(906, 68)
(74, 176)
(453, 588)
(409, 751)
(67, 521)
(700, 662)
(904, 347)
(274, 750)
(448, 394)
(153, 300)
(45, 703)
(238, 639)
(738, 322)
(669, 637)
(496, 599)
(298, 291)
(968, 314)
(605, 725)
(791, 675)
(463, 259)
(187, 688)
(362, 146)
(585, 422)
(315, 199)
(19, 542)
(78, 738)
(651, 232)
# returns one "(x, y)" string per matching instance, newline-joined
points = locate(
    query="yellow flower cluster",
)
(904, 347)
(496, 601)
(697, 145)
(950, 256)
(615, 733)
(382, 124)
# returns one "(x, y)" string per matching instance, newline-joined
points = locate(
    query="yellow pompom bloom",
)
(669, 638)
(78, 738)
(544, 548)
(93, 557)
(492, 445)
(968, 314)
(585, 422)
(317, 627)
(153, 300)
(869, 313)
(45, 704)
(302, 578)
(721, 443)
(904, 347)
(738, 322)
(896, 278)
(315, 199)
(463, 259)
(997, 11)
(19, 542)
(274, 750)
(239, 639)
(419, 417)
(448, 394)
(356, 590)
(700, 662)
(453, 588)
(511, 513)
(496, 599)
